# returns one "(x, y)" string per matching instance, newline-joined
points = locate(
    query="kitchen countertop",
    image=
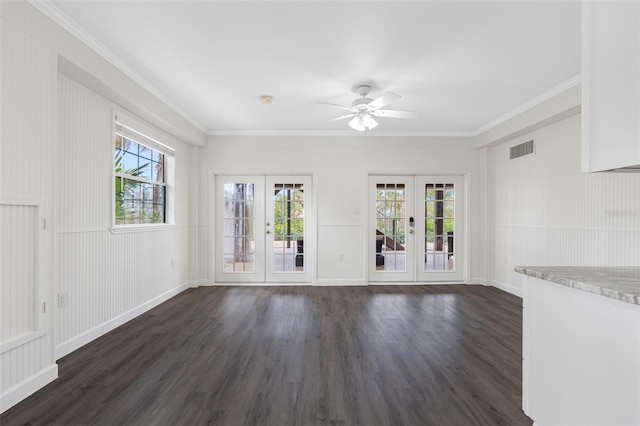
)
(620, 283)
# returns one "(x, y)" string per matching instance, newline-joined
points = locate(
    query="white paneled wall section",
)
(27, 152)
(57, 149)
(545, 211)
(106, 275)
(19, 257)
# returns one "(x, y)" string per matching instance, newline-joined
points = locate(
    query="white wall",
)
(340, 166)
(56, 152)
(106, 275)
(28, 102)
(544, 211)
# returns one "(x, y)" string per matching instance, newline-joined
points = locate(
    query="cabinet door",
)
(610, 85)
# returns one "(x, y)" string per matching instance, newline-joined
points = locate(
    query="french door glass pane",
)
(390, 227)
(288, 227)
(238, 228)
(439, 227)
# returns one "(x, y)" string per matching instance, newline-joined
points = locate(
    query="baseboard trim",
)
(340, 282)
(200, 283)
(80, 340)
(506, 287)
(22, 390)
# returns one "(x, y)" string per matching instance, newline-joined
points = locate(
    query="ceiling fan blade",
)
(340, 118)
(383, 100)
(390, 113)
(335, 106)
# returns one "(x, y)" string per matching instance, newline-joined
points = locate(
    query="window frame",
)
(144, 135)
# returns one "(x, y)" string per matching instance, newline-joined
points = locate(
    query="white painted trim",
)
(562, 87)
(351, 133)
(260, 284)
(151, 227)
(22, 390)
(200, 283)
(497, 284)
(506, 287)
(60, 18)
(340, 282)
(20, 340)
(414, 283)
(77, 342)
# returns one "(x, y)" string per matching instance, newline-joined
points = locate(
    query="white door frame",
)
(459, 252)
(273, 276)
(257, 274)
(462, 230)
(405, 260)
(214, 247)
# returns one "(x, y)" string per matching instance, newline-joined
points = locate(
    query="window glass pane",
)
(144, 168)
(145, 152)
(157, 172)
(136, 201)
(131, 146)
(130, 165)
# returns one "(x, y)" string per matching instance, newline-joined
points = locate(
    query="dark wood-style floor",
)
(391, 355)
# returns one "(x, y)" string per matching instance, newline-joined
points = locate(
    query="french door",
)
(263, 229)
(416, 228)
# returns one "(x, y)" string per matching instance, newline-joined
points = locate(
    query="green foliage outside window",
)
(288, 214)
(137, 199)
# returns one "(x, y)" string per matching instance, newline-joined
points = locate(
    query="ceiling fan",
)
(363, 110)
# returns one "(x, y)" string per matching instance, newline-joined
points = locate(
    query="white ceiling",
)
(459, 64)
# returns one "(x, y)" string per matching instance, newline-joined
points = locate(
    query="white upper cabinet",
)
(610, 85)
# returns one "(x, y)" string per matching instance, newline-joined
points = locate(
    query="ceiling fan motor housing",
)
(362, 90)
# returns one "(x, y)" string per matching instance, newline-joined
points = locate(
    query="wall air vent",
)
(521, 150)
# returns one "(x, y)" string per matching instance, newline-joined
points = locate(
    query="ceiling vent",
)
(521, 150)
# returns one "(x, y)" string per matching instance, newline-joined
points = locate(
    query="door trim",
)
(310, 239)
(465, 177)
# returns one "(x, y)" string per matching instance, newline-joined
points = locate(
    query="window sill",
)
(152, 227)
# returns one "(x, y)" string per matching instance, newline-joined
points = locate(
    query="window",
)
(140, 178)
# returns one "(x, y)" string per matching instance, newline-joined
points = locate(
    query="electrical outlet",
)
(62, 299)
(340, 257)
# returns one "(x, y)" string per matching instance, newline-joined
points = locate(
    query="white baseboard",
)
(506, 287)
(20, 391)
(80, 340)
(340, 282)
(497, 284)
(200, 283)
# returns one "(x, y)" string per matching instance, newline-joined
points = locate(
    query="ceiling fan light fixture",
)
(363, 121)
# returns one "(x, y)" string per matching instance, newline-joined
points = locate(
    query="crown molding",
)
(346, 133)
(60, 18)
(562, 87)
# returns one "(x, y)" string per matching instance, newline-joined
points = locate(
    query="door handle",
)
(268, 232)
(268, 224)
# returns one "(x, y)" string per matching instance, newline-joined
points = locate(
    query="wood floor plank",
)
(377, 355)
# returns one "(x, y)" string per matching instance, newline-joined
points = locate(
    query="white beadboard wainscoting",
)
(545, 211)
(27, 165)
(107, 277)
(57, 149)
